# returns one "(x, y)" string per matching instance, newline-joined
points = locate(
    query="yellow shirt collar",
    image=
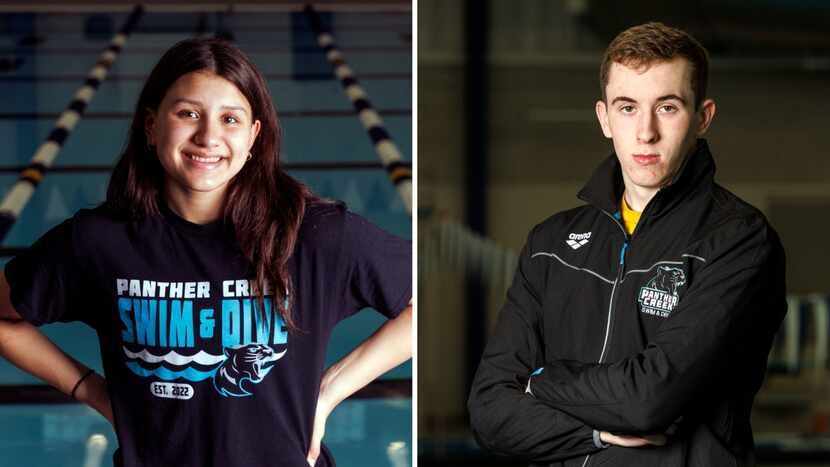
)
(630, 217)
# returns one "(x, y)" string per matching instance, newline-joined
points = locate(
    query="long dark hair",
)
(264, 204)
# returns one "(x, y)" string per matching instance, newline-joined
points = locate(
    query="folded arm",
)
(504, 419)
(723, 325)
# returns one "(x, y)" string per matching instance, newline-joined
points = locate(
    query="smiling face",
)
(202, 130)
(651, 119)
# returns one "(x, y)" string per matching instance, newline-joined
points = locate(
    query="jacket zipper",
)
(620, 270)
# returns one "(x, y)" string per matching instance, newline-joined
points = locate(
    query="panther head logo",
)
(251, 362)
(668, 279)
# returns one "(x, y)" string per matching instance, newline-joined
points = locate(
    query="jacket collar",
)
(605, 187)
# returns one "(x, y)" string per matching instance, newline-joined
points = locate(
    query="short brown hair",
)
(647, 43)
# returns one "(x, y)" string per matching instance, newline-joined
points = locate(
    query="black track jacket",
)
(667, 329)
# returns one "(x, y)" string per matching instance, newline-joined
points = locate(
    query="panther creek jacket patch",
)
(660, 294)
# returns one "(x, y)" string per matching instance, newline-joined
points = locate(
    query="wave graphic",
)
(173, 358)
(189, 374)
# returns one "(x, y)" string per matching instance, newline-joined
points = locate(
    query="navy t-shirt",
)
(195, 375)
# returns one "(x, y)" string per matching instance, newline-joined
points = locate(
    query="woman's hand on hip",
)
(387, 348)
(93, 392)
(321, 414)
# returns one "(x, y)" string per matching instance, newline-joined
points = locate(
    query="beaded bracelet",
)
(72, 394)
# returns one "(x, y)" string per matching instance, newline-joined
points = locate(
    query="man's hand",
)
(632, 441)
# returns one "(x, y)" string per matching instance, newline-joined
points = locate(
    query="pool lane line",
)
(143, 76)
(369, 8)
(241, 29)
(399, 170)
(129, 115)
(18, 394)
(334, 165)
(258, 28)
(355, 49)
(18, 196)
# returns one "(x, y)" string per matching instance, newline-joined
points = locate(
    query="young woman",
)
(213, 280)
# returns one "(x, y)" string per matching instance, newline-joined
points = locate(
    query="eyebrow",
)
(667, 97)
(229, 107)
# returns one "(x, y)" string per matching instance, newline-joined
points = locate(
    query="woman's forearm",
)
(30, 350)
(387, 348)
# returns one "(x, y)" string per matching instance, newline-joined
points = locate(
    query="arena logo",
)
(576, 240)
(660, 295)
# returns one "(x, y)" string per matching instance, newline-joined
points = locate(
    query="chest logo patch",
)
(659, 296)
(576, 240)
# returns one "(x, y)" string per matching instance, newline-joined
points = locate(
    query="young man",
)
(637, 328)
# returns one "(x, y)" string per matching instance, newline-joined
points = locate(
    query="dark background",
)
(507, 135)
